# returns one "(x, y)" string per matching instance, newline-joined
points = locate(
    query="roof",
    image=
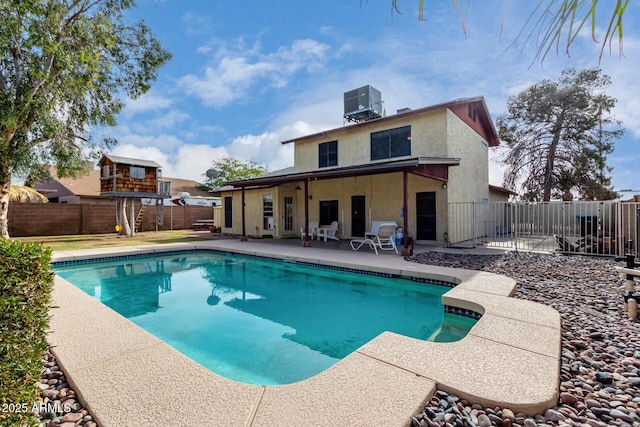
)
(434, 167)
(131, 161)
(502, 190)
(486, 123)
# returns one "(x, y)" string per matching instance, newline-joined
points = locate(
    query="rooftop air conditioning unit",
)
(362, 104)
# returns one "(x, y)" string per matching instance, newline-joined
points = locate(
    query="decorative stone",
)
(568, 398)
(484, 421)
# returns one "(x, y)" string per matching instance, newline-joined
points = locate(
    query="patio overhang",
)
(430, 167)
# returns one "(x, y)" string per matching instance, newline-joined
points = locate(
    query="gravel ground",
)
(600, 375)
(600, 372)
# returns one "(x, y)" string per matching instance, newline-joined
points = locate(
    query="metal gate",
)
(600, 228)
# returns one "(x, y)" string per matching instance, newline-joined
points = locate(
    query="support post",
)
(306, 242)
(405, 224)
(132, 223)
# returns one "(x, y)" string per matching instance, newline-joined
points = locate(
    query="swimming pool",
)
(262, 321)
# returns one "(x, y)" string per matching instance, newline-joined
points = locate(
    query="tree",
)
(63, 66)
(556, 22)
(558, 135)
(229, 169)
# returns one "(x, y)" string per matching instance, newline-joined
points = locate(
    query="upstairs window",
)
(391, 143)
(328, 154)
(136, 172)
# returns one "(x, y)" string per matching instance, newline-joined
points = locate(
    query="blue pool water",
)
(263, 321)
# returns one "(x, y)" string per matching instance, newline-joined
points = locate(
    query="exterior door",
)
(426, 216)
(287, 218)
(358, 217)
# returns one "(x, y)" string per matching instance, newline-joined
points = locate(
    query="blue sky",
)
(246, 75)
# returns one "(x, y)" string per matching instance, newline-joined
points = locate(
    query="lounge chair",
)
(384, 240)
(328, 233)
(375, 226)
(313, 230)
(568, 246)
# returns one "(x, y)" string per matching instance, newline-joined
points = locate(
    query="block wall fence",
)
(57, 219)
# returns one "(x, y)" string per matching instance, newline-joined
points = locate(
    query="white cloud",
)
(150, 101)
(233, 75)
(186, 162)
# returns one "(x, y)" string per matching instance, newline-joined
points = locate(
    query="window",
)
(328, 211)
(136, 172)
(328, 154)
(228, 212)
(391, 143)
(267, 211)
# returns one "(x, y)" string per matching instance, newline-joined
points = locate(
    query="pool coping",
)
(124, 375)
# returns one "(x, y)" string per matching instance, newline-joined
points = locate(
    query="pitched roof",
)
(435, 167)
(485, 121)
(131, 161)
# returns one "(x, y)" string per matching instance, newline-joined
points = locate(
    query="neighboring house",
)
(405, 168)
(500, 194)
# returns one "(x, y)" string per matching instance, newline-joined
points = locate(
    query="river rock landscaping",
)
(600, 372)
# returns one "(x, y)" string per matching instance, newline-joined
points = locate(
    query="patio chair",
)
(328, 233)
(384, 240)
(313, 230)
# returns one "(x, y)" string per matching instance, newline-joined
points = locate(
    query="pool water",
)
(262, 321)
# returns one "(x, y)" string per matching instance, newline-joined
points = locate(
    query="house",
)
(405, 168)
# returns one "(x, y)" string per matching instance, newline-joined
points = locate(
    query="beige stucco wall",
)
(468, 182)
(428, 137)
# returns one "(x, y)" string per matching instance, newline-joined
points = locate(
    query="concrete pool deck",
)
(126, 376)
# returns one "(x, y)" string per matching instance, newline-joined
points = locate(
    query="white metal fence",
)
(601, 228)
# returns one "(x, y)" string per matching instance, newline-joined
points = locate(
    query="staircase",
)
(140, 215)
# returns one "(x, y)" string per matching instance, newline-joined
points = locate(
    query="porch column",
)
(405, 210)
(244, 233)
(306, 242)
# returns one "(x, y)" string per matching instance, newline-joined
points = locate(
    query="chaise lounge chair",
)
(384, 240)
(583, 245)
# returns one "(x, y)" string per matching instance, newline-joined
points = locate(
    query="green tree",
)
(557, 137)
(228, 169)
(553, 23)
(63, 66)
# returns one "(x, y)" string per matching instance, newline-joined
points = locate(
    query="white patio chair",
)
(313, 230)
(384, 240)
(328, 233)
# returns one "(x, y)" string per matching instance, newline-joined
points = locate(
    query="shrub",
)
(26, 281)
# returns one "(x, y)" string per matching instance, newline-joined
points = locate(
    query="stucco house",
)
(405, 168)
